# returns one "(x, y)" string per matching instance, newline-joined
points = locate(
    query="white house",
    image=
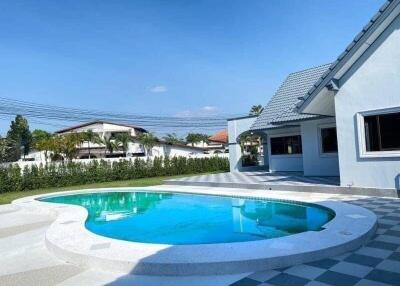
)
(106, 129)
(216, 144)
(340, 119)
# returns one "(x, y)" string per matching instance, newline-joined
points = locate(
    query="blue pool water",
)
(172, 218)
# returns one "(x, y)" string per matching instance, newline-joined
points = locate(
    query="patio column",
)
(265, 151)
(235, 157)
(237, 126)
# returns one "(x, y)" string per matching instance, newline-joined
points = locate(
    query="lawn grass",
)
(6, 198)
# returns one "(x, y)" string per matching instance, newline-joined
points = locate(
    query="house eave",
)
(352, 53)
(71, 128)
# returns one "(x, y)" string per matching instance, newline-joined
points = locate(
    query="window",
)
(329, 140)
(115, 134)
(286, 145)
(382, 132)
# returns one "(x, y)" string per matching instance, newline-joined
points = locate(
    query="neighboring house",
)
(338, 119)
(218, 143)
(200, 144)
(106, 129)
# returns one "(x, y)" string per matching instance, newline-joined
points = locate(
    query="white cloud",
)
(209, 109)
(185, 113)
(158, 89)
(203, 111)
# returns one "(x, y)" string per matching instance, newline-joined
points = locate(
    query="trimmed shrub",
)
(12, 178)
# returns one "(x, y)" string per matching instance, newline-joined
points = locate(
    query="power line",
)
(43, 113)
(18, 104)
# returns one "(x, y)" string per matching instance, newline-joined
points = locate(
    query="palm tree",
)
(123, 140)
(193, 138)
(110, 145)
(90, 137)
(147, 140)
(172, 138)
(256, 110)
(249, 142)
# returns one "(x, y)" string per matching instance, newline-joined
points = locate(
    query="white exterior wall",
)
(284, 163)
(316, 163)
(373, 83)
(200, 144)
(97, 127)
(118, 128)
(36, 156)
(235, 128)
(174, 151)
(134, 147)
(104, 128)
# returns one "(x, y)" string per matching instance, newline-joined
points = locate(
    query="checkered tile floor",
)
(377, 263)
(262, 177)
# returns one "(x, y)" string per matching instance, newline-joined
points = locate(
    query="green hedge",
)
(12, 178)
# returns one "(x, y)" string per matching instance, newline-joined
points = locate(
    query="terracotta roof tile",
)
(220, 136)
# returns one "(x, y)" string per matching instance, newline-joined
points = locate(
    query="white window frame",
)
(361, 134)
(321, 149)
(285, 155)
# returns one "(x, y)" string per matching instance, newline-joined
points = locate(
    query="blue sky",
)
(175, 57)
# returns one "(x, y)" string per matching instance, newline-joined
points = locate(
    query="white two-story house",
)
(106, 130)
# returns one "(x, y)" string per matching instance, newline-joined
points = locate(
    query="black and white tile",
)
(375, 264)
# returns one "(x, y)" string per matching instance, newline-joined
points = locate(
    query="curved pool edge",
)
(351, 228)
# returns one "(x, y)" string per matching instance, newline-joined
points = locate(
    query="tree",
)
(256, 110)
(147, 140)
(4, 149)
(110, 145)
(172, 138)
(39, 135)
(248, 139)
(193, 138)
(90, 137)
(123, 140)
(46, 144)
(19, 138)
(249, 144)
(66, 145)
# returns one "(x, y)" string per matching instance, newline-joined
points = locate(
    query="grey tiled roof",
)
(281, 107)
(353, 46)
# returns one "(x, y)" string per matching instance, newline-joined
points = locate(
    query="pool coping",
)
(69, 240)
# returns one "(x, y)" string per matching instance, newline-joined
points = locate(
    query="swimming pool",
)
(181, 219)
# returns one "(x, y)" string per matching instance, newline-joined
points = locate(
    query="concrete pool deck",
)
(25, 259)
(23, 252)
(348, 230)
